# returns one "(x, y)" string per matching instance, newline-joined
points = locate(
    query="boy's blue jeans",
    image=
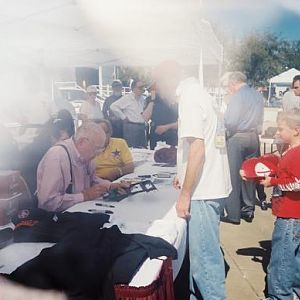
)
(206, 259)
(284, 266)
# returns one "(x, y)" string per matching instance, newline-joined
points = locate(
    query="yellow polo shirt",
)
(116, 155)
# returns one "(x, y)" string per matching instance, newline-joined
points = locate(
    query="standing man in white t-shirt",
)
(203, 179)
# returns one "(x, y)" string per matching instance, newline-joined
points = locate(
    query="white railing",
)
(105, 91)
(71, 84)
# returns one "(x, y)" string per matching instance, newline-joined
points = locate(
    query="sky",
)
(288, 25)
(237, 17)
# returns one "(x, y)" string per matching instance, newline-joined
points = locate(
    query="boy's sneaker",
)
(264, 205)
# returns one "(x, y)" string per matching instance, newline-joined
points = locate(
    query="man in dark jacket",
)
(117, 124)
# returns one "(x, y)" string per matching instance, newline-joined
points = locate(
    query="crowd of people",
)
(64, 166)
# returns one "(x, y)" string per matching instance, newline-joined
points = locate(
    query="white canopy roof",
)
(41, 41)
(285, 77)
(97, 32)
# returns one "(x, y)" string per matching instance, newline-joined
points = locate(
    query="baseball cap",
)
(257, 168)
(116, 83)
(91, 89)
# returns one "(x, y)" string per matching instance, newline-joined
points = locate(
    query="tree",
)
(125, 74)
(262, 56)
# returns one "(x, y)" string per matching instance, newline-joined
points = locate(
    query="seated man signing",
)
(66, 173)
(116, 160)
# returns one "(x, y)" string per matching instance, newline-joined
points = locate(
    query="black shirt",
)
(163, 112)
(106, 106)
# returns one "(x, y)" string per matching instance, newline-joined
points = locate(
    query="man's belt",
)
(135, 123)
(232, 133)
(246, 131)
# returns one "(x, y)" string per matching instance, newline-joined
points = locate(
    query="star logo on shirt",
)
(116, 153)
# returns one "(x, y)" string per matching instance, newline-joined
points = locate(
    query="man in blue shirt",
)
(243, 121)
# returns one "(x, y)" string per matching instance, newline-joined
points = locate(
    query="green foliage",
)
(293, 55)
(262, 56)
(125, 74)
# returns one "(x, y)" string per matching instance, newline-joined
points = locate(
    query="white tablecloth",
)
(151, 213)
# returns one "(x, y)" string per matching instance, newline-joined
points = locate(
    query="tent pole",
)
(115, 75)
(220, 71)
(200, 72)
(269, 94)
(100, 76)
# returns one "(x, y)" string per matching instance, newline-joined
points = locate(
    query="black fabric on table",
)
(52, 227)
(86, 264)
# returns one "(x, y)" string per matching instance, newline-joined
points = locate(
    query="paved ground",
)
(247, 252)
(247, 246)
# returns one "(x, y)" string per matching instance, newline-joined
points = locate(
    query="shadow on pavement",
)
(260, 255)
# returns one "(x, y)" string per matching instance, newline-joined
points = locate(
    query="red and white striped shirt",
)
(288, 180)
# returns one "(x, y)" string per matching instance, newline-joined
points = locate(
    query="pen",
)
(100, 211)
(104, 205)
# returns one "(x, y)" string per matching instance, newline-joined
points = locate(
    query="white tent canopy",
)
(284, 80)
(285, 77)
(97, 32)
(42, 41)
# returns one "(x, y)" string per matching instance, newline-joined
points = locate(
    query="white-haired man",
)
(243, 121)
(66, 173)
